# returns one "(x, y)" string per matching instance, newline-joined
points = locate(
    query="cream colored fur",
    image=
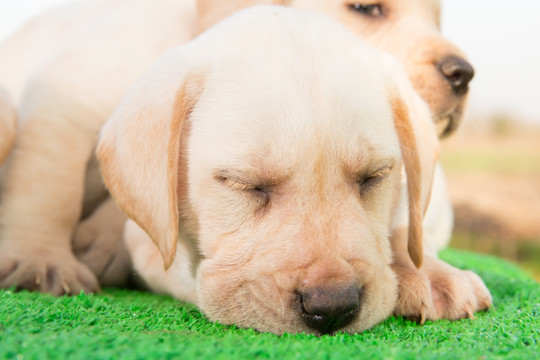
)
(7, 124)
(51, 179)
(407, 29)
(300, 164)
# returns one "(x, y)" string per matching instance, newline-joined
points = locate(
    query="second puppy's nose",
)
(329, 309)
(457, 72)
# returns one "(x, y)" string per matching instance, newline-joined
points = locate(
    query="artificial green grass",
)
(136, 325)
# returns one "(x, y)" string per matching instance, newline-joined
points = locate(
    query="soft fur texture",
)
(7, 124)
(51, 179)
(407, 29)
(272, 181)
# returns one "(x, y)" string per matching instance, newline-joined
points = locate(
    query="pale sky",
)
(501, 38)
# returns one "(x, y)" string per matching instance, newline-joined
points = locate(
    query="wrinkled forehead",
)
(300, 83)
(284, 113)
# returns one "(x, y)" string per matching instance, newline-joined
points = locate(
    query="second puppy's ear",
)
(139, 151)
(209, 12)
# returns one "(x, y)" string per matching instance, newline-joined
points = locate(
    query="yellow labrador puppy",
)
(74, 65)
(408, 29)
(7, 124)
(272, 180)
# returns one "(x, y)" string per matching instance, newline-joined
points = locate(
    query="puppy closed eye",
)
(372, 10)
(259, 193)
(368, 183)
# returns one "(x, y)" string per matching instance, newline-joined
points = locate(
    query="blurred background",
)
(493, 162)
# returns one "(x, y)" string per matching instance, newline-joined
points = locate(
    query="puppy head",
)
(284, 162)
(408, 29)
(7, 124)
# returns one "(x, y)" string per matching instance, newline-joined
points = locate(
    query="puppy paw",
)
(98, 243)
(55, 273)
(439, 291)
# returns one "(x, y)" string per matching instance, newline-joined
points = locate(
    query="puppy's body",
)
(44, 37)
(274, 179)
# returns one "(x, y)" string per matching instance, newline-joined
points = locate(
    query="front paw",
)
(98, 243)
(439, 291)
(104, 252)
(48, 272)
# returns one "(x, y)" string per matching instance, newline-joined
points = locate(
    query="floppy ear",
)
(413, 170)
(139, 153)
(212, 11)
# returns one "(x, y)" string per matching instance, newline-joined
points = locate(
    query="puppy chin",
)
(227, 297)
(447, 122)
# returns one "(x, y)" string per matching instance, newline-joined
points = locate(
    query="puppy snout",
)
(457, 72)
(330, 309)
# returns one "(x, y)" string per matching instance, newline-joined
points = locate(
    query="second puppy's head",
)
(407, 29)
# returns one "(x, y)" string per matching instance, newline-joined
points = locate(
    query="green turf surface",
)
(137, 325)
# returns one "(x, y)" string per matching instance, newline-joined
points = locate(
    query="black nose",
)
(327, 310)
(457, 72)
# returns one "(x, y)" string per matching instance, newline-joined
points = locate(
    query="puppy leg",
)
(179, 281)
(42, 198)
(439, 218)
(437, 290)
(98, 243)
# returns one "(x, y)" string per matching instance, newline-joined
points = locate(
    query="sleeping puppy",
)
(409, 30)
(276, 181)
(74, 76)
(7, 125)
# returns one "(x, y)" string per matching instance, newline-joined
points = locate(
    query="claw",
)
(470, 313)
(486, 303)
(38, 279)
(66, 288)
(423, 311)
(419, 318)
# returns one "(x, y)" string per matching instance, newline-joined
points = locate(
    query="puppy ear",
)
(212, 11)
(139, 153)
(413, 170)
